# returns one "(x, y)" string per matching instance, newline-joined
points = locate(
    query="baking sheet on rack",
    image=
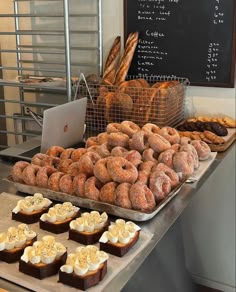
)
(10, 271)
(96, 205)
(109, 208)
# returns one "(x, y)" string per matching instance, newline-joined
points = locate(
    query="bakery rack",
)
(55, 39)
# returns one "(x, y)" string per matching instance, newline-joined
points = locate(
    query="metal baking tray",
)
(96, 205)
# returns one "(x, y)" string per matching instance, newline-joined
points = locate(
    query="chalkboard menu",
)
(185, 38)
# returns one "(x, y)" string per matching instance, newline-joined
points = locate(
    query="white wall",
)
(200, 100)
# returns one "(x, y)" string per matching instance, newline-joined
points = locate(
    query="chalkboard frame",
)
(231, 81)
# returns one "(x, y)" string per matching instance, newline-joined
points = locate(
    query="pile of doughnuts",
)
(128, 166)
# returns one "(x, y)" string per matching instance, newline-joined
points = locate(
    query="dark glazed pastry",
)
(213, 127)
(219, 129)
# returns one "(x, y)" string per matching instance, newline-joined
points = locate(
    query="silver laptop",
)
(63, 125)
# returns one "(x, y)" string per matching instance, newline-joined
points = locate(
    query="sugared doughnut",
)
(92, 188)
(166, 157)
(66, 154)
(79, 184)
(190, 148)
(122, 196)
(183, 164)
(17, 171)
(118, 139)
(141, 197)
(118, 151)
(55, 151)
(158, 143)
(101, 172)
(64, 165)
(41, 159)
(133, 156)
(29, 174)
(91, 141)
(150, 128)
(139, 141)
(42, 176)
(87, 162)
(66, 184)
(121, 170)
(184, 140)
(113, 128)
(129, 128)
(107, 192)
(93, 148)
(104, 150)
(77, 153)
(146, 166)
(102, 138)
(53, 181)
(175, 147)
(174, 178)
(149, 155)
(170, 134)
(73, 169)
(202, 149)
(160, 185)
(144, 171)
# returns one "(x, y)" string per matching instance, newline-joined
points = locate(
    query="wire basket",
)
(161, 105)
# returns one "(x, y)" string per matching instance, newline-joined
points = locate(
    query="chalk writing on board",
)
(218, 13)
(212, 61)
(188, 38)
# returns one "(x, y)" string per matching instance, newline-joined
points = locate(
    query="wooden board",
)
(229, 139)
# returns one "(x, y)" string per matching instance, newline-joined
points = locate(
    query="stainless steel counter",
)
(159, 225)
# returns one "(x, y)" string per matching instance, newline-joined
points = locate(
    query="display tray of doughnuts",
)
(128, 171)
(111, 209)
(218, 132)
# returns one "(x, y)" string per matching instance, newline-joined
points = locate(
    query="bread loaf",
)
(118, 107)
(131, 87)
(126, 58)
(142, 106)
(111, 62)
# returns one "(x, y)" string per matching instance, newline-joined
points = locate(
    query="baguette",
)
(111, 62)
(126, 58)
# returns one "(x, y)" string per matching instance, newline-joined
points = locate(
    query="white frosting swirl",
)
(43, 251)
(32, 203)
(120, 231)
(89, 222)
(16, 237)
(60, 212)
(85, 259)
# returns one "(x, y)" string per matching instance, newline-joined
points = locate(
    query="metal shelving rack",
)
(56, 43)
